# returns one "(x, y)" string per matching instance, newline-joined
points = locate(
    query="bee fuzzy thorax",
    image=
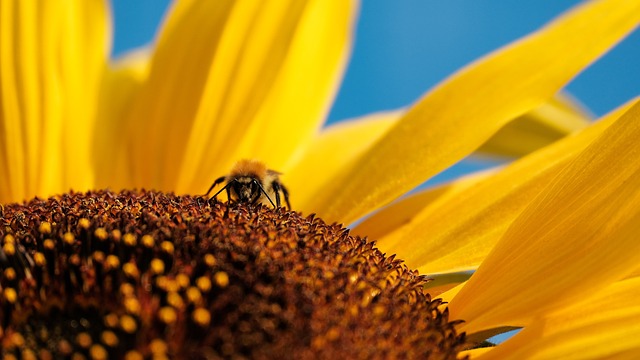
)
(250, 181)
(252, 168)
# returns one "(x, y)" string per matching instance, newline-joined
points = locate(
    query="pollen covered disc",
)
(115, 275)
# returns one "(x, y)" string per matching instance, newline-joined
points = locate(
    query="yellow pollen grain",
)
(116, 235)
(39, 259)
(45, 227)
(162, 281)
(132, 305)
(221, 278)
(84, 223)
(201, 316)
(157, 266)
(133, 355)
(101, 233)
(167, 315)
(68, 238)
(9, 249)
(183, 280)
(84, 340)
(97, 352)
(172, 285)
(10, 295)
(78, 356)
(379, 310)
(9, 357)
(128, 324)
(75, 259)
(109, 338)
(129, 239)
(113, 262)
(210, 260)
(131, 270)
(167, 247)
(28, 354)
(10, 274)
(49, 244)
(318, 342)
(9, 239)
(98, 256)
(16, 340)
(174, 299)
(333, 334)
(148, 241)
(203, 283)
(111, 320)
(193, 294)
(64, 347)
(353, 278)
(158, 347)
(127, 289)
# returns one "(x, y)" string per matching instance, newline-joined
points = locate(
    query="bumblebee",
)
(250, 181)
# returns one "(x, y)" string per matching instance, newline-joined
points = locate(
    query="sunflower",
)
(546, 243)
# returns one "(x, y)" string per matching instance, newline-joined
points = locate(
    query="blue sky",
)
(405, 47)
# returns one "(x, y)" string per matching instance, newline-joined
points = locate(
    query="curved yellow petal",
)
(305, 88)
(120, 85)
(602, 326)
(458, 232)
(462, 113)
(388, 225)
(52, 57)
(333, 149)
(537, 128)
(303, 65)
(584, 225)
(549, 122)
(167, 103)
(224, 68)
(474, 353)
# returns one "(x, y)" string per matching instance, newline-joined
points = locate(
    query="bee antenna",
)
(264, 192)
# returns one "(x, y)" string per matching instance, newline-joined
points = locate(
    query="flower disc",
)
(143, 274)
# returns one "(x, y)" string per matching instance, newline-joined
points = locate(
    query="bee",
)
(250, 181)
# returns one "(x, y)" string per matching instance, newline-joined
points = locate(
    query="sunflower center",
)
(137, 274)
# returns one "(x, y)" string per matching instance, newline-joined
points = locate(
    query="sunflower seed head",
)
(142, 274)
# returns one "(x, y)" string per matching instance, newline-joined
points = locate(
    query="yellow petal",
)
(549, 122)
(388, 225)
(120, 86)
(224, 68)
(283, 104)
(333, 149)
(456, 233)
(602, 326)
(462, 113)
(474, 353)
(306, 85)
(537, 128)
(584, 225)
(52, 56)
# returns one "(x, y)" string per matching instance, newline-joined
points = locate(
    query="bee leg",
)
(276, 190)
(264, 192)
(226, 187)
(215, 183)
(285, 192)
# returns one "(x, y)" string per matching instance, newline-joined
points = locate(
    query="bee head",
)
(246, 189)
